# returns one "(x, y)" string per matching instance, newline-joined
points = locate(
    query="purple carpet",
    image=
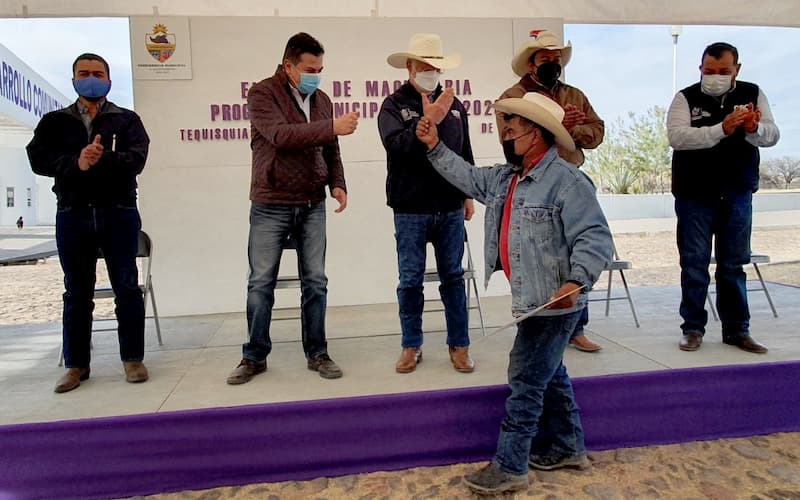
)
(145, 454)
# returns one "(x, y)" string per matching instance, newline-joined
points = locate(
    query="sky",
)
(621, 68)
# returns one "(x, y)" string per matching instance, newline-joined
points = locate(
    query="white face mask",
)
(427, 80)
(715, 85)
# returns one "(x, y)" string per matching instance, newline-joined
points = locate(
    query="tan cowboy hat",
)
(539, 39)
(425, 47)
(541, 110)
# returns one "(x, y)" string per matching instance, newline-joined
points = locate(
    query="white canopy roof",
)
(737, 12)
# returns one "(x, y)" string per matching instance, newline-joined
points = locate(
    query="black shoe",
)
(246, 370)
(323, 364)
(746, 343)
(492, 481)
(552, 462)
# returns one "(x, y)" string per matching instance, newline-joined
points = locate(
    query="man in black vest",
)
(715, 128)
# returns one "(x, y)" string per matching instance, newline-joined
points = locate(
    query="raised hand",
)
(91, 154)
(346, 124)
(436, 111)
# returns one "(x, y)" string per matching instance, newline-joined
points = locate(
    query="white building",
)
(24, 98)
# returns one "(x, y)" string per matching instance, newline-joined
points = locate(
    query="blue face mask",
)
(92, 88)
(309, 82)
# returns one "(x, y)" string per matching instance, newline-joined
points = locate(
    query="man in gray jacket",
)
(546, 228)
(295, 157)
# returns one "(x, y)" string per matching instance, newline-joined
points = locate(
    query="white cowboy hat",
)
(540, 39)
(425, 47)
(541, 110)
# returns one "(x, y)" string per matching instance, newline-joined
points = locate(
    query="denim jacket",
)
(558, 232)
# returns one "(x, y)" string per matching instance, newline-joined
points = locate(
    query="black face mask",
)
(511, 156)
(548, 73)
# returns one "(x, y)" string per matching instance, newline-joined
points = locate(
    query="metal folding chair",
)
(620, 266)
(470, 281)
(755, 259)
(145, 254)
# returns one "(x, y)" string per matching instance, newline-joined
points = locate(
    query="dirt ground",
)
(32, 293)
(755, 468)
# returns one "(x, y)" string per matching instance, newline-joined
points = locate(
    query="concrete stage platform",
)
(189, 371)
(187, 429)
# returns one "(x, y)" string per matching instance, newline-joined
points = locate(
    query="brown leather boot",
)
(72, 379)
(135, 372)
(409, 359)
(459, 356)
(246, 370)
(582, 343)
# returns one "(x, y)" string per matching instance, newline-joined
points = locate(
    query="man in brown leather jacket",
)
(539, 63)
(295, 157)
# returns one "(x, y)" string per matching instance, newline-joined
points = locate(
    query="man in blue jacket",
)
(426, 207)
(543, 224)
(95, 150)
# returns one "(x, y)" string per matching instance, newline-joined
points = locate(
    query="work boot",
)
(323, 364)
(410, 357)
(492, 481)
(246, 370)
(135, 372)
(459, 356)
(582, 343)
(72, 379)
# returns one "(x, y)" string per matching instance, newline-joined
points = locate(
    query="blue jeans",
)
(541, 400)
(729, 221)
(583, 320)
(269, 226)
(80, 233)
(446, 232)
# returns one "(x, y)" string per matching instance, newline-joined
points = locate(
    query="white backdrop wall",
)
(194, 194)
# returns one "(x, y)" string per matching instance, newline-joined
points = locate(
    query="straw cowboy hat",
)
(425, 47)
(541, 110)
(539, 39)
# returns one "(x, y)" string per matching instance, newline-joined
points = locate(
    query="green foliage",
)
(634, 156)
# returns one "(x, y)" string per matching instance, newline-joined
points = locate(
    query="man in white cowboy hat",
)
(539, 63)
(426, 207)
(544, 225)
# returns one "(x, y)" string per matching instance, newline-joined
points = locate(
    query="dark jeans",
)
(582, 322)
(446, 232)
(729, 221)
(541, 400)
(269, 226)
(80, 232)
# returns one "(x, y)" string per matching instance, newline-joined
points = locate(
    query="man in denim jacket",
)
(547, 230)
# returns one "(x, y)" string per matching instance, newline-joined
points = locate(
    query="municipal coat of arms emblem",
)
(160, 43)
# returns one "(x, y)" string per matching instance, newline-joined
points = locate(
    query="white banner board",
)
(195, 188)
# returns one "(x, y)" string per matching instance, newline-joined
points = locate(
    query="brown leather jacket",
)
(293, 159)
(589, 135)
